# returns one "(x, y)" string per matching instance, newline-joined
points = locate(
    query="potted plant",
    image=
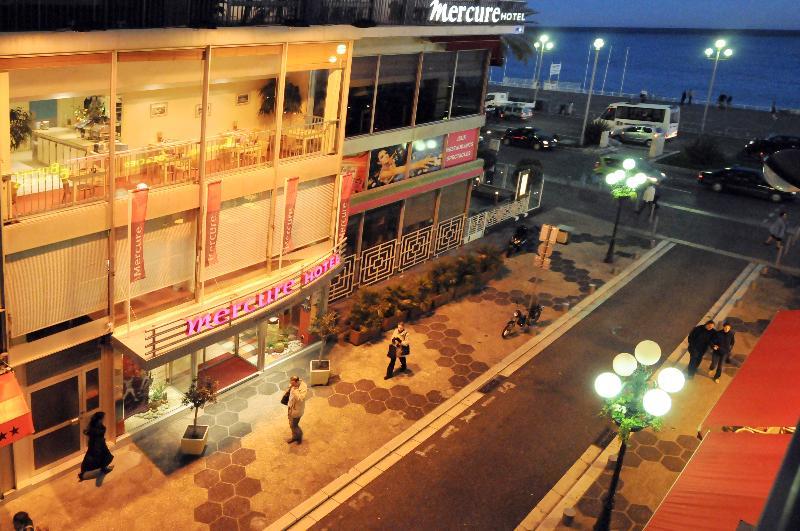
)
(196, 397)
(20, 121)
(158, 396)
(323, 326)
(443, 278)
(292, 100)
(420, 302)
(364, 319)
(488, 261)
(466, 271)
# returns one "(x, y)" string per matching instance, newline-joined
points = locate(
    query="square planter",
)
(320, 372)
(460, 291)
(194, 445)
(441, 299)
(359, 337)
(391, 322)
(486, 277)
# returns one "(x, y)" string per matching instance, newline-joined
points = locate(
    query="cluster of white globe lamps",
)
(656, 401)
(633, 181)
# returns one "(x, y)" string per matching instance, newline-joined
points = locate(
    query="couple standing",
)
(703, 337)
(398, 348)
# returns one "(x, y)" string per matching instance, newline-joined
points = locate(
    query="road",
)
(489, 467)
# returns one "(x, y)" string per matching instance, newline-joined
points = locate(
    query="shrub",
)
(704, 151)
(443, 275)
(594, 130)
(488, 259)
(364, 313)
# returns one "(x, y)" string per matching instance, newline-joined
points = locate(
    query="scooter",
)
(518, 241)
(522, 320)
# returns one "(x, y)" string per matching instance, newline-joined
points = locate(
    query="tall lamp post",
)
(598, 44)
(716, 54)
(623, 184)
(542, 45)
(634, 402)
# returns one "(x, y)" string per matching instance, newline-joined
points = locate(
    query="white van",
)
(495, 99)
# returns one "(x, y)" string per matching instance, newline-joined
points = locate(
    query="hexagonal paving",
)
(669, 447)
(243, 456)
(358, 397)
(379, 393)
(220, 492)
(248, 487)
(365, 385)
(673, 463)
(206, 478)
(650, 453)
(232, 474)
(207, 512)
(236, 507)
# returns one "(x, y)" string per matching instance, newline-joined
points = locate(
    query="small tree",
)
(20, 121)
(325, 326)
(594, 131)
(198, 395)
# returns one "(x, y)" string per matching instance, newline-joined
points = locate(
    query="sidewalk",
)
(249, 476)
(654, 460)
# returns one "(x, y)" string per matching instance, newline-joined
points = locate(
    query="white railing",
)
(316, 137)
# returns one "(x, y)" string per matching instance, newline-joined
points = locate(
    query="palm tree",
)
(520, 46)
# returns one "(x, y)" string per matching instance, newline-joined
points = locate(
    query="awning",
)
(491, 43)
(765, 390)
(727, 480)
(15, 415)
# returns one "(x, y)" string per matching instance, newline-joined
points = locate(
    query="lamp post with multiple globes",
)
(720, 52)
(623, 185)
(634, 402)
(543, 44)
(598, 44)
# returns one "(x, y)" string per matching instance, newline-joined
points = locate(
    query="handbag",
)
(285, 398)
(406, 350)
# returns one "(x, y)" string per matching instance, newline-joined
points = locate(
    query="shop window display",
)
(149, 395)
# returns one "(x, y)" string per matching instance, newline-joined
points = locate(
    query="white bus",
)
(663, 117)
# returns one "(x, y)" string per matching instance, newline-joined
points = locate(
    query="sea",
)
(765, 65)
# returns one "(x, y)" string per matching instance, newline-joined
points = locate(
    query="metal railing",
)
(239, 149)
(156, 166)
(316, 137)
(87, 15)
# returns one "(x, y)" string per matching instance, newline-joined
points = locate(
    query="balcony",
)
(88, 15)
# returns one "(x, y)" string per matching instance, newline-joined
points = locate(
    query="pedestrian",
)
(773, 111)
(728, 101)
(723, 346)
(643, 96)
(401, 332)
(570, 108)
(690, 95)
(298, 390)
(683, 97)
(22, 522)
(721, 101)
(97, 454)
(699, 341)
(648, 197)
(777, 230)
(562, 109)
(395, 349)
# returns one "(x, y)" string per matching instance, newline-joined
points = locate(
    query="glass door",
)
(61, 410)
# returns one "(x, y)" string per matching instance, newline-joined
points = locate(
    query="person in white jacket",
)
(298, 391)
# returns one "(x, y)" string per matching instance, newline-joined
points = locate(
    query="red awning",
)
(15, 416)
(727, 480)
(765, 390)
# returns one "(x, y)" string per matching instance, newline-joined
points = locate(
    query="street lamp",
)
(719, 53)
(634, 402)
(623, 184)
(598, 44)
(542, 45)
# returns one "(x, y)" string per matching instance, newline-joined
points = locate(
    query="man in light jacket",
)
(298, 391)
(777, 230)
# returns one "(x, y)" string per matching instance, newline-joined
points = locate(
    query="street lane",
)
(489, 467)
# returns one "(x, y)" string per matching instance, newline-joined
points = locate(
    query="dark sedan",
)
(761, 147)
(530, 137)
(742, 180)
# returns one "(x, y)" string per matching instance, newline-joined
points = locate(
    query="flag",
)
(213, 202)
(290, 196)
(138, 217)
(348, 178)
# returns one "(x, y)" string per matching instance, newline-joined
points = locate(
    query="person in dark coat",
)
(22, 522)
(395, 349)
(683, 97)
(723, 346)
(699, 340)
(97, 454)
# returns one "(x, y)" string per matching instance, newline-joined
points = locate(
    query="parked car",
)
(742, 180)
(761, 147)
(636, 134)
(613, 162)
(530, 137)
(518, 111)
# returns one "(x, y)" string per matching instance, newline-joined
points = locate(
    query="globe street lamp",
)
(542, 45)
(598, 44)
(634, 402)
(623, 184)
(716, 54)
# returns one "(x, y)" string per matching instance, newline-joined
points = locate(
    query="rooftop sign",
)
(460, 12)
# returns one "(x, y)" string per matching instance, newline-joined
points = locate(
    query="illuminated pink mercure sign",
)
(262, 299)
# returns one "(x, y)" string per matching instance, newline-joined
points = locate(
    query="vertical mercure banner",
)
(290, 197)
(344, 203)
(213, 205)
(138, 216)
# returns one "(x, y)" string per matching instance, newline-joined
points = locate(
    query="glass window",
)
(435, 87)
(396, 82)
(453, 200)
(55, 404)
(469, 83)
(353, 225)
(609, 114)
(380, 225)
(419, 212)
(359, 100)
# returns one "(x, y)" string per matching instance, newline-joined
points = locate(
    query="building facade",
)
(170, 196)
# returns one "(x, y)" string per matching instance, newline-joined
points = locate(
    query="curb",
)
(547, 515)
(338, 491)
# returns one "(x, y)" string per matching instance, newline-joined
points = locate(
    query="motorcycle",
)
(523, 320)
(518, 241)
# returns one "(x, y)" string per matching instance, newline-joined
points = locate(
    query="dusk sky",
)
(733, 14)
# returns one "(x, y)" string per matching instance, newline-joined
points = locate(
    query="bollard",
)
(612, 460)
(564, 306)
(592, 287)
(569, 516)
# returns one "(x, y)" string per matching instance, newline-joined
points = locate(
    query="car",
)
(742, 180)
(613, 162)
(636, 134)
(530, 137)
(520, 111)
(761, 147)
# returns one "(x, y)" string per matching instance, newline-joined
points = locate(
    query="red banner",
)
(461, 147)
(213, 202)
(15, 416)
(138, 215)
(359, 164)
(290, 196)
(348, 177)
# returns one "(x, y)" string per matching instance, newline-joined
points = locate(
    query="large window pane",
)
(55, 404)
(380, 225)
(469, 83)
(419, 212)
(362, 90)
(453, 200)
(396, 82)
(435, 87)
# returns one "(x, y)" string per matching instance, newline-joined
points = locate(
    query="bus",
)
(663, 117)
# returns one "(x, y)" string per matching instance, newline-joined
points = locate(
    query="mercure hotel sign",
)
(455, 12)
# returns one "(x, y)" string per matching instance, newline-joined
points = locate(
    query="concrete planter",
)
(359, 337)
(441, 299)
(194, 442)
(320, 372)
(390, 322)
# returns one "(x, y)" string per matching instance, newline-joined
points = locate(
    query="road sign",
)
(555, 69)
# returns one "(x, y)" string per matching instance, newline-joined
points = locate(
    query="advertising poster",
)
(387, 165)
(461, 147)
(426, 155)
(359, 165)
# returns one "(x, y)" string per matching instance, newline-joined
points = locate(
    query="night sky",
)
(728, 14)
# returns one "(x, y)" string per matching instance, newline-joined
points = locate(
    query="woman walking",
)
(97, 454)
(401, 333)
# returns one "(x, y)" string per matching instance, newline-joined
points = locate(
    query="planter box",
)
(359, 337)
(391, 322)
(194, 445)
(460, 291)
(320, 372)
(441, 299)
(487, 277)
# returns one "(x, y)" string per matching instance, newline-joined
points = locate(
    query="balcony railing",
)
(317, 137)
(87, 15)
